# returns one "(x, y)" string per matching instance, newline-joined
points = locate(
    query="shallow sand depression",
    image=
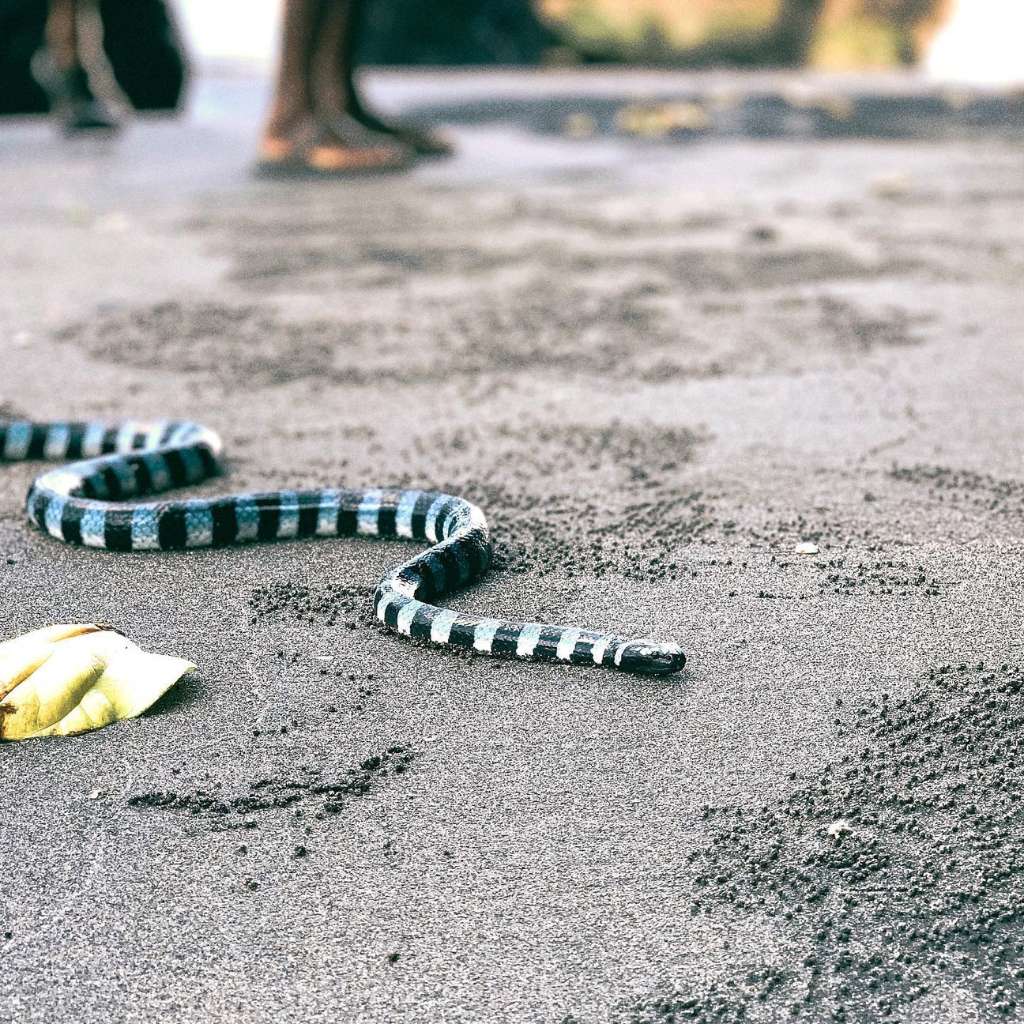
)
(659, 368)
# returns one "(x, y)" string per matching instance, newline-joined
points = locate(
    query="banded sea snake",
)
(85, 502)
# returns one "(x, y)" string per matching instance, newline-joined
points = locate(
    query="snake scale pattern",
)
(105, 466)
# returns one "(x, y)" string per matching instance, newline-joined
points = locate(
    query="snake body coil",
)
(83, 502)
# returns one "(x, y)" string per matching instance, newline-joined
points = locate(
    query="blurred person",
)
(139, 40)
(61, 71)
(318, 123)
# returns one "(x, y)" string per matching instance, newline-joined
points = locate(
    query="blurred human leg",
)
(62, 34)
(62, 73)
(345, 71)
(301, 135)
(329, 67)
(292, 106)
(329, 88)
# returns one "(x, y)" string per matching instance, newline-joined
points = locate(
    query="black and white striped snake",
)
(84, 502)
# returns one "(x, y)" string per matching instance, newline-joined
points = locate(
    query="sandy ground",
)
(658, 368)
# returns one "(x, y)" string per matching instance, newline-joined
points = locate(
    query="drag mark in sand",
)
(333, 789)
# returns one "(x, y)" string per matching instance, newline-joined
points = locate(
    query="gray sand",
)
(658, 369)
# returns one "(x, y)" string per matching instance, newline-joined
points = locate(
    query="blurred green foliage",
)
(679, 33)
(825, 33)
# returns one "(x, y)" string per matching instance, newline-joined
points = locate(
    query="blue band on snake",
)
(91, 500)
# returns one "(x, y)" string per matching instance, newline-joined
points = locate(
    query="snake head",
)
(650, 658)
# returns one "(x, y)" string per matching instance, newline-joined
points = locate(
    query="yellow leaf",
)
(71, 679)
(21, 657)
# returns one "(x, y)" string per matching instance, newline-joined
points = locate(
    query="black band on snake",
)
(84, 502)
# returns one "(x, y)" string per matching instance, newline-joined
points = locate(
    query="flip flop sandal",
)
(321, 155)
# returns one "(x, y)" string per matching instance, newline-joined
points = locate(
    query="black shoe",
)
(72, 100)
